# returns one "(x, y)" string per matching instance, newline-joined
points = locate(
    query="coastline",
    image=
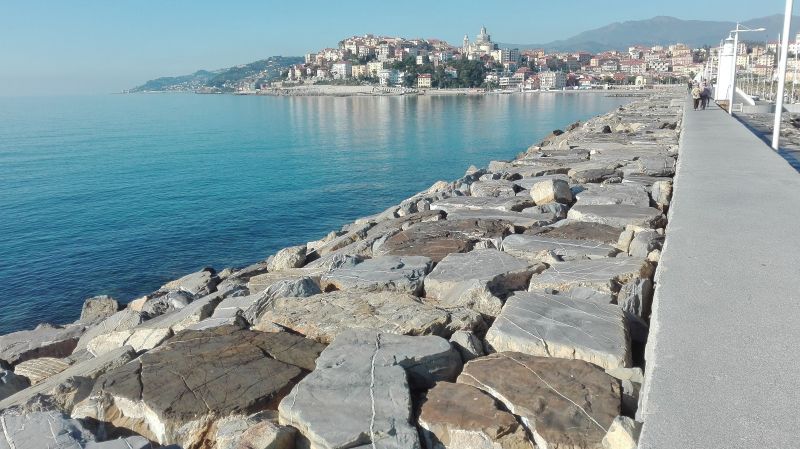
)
(376, 91)
(422, 276)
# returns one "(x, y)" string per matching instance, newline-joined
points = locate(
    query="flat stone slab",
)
(557, 326)
(322, 317)
(492, 188)
(531, 246)
(563, 403)
(44, 341)
(581, 230)
(630, 194)
(528, 183)
(618, 215)
(261, 282)
(461, 416)
(437, 239)
(175, 394)
(52, 430)
(476, 279)
(367, 373)
(64, 389)
(196, 284)
(602, 275)
(120, 321)
(460, 203)
(518, 219)
(386, 273)
(140, 339)
(37, 370)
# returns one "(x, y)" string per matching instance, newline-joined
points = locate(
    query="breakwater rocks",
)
(508, 309)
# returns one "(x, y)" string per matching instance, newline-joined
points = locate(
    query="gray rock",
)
(386, 273)
(636, 297)
(651, 166)
(468, 345)
(530, 247)
(262, 282)
(196, 284)
(40, 430)
(461, 203)
(644, 242)
(590, 172)
(197, 311)
(44, 341)
(11, 383)
(603, 275)
(618, 215)
(551, 191)
(288, 258)
(630, 194)
(98, 308)
(322, 317)
(123, 320)
(64, 389)
(477, 279)
(492, 188)
(528, 183)
(365, 372)
(556, 326)
(259, 431)
(518, 219)
(168, 302)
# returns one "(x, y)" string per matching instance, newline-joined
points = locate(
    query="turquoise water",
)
(118, 194)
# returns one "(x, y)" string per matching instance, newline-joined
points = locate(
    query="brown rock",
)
(440, 238)
(174, 395)
(566, 404)
(580, 230)
(456, 416)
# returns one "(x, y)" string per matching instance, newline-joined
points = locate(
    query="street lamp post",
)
(739, 29)
(787, 25)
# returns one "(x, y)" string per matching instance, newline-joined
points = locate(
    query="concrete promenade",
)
(723, 361)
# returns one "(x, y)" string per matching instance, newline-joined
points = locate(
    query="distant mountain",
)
(663, 30)
(222, 80)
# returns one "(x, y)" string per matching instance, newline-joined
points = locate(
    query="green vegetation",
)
(469, 73)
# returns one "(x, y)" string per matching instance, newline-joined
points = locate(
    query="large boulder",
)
(69, 386)
(436, 240)
(557, 326)
(531, 247)
(259, 431)
(563, 403)
(458, 416)
(196, 284)
(322, 317)
(98, 308)
(618, 215)
(44, 341)
(492, 188)
(463, 203)
(477, 279)
(288, 258)
(176, 394)
(386, 273)
(139, 338)
(528, 217)
(551, 191)
(262, 282)
(602, 275)
(358, 395)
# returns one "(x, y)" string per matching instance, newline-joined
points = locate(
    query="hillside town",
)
(394, 62)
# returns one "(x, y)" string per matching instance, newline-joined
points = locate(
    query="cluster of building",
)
(373, 59)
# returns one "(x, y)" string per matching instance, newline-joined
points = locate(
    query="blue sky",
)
(102, 46)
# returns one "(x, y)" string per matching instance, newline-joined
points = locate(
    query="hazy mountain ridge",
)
(222, 80)
(662, 30)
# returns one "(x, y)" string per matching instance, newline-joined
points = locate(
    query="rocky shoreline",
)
(508, 309)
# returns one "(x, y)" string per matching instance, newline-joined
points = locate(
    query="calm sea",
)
(117, 194)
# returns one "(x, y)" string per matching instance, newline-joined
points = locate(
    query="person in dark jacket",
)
(705, 96)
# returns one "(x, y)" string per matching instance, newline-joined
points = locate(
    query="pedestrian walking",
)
(696, 91)
(689, 85)
(705, 96)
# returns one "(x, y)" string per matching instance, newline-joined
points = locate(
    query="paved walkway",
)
(762, 125)
(724, 354)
